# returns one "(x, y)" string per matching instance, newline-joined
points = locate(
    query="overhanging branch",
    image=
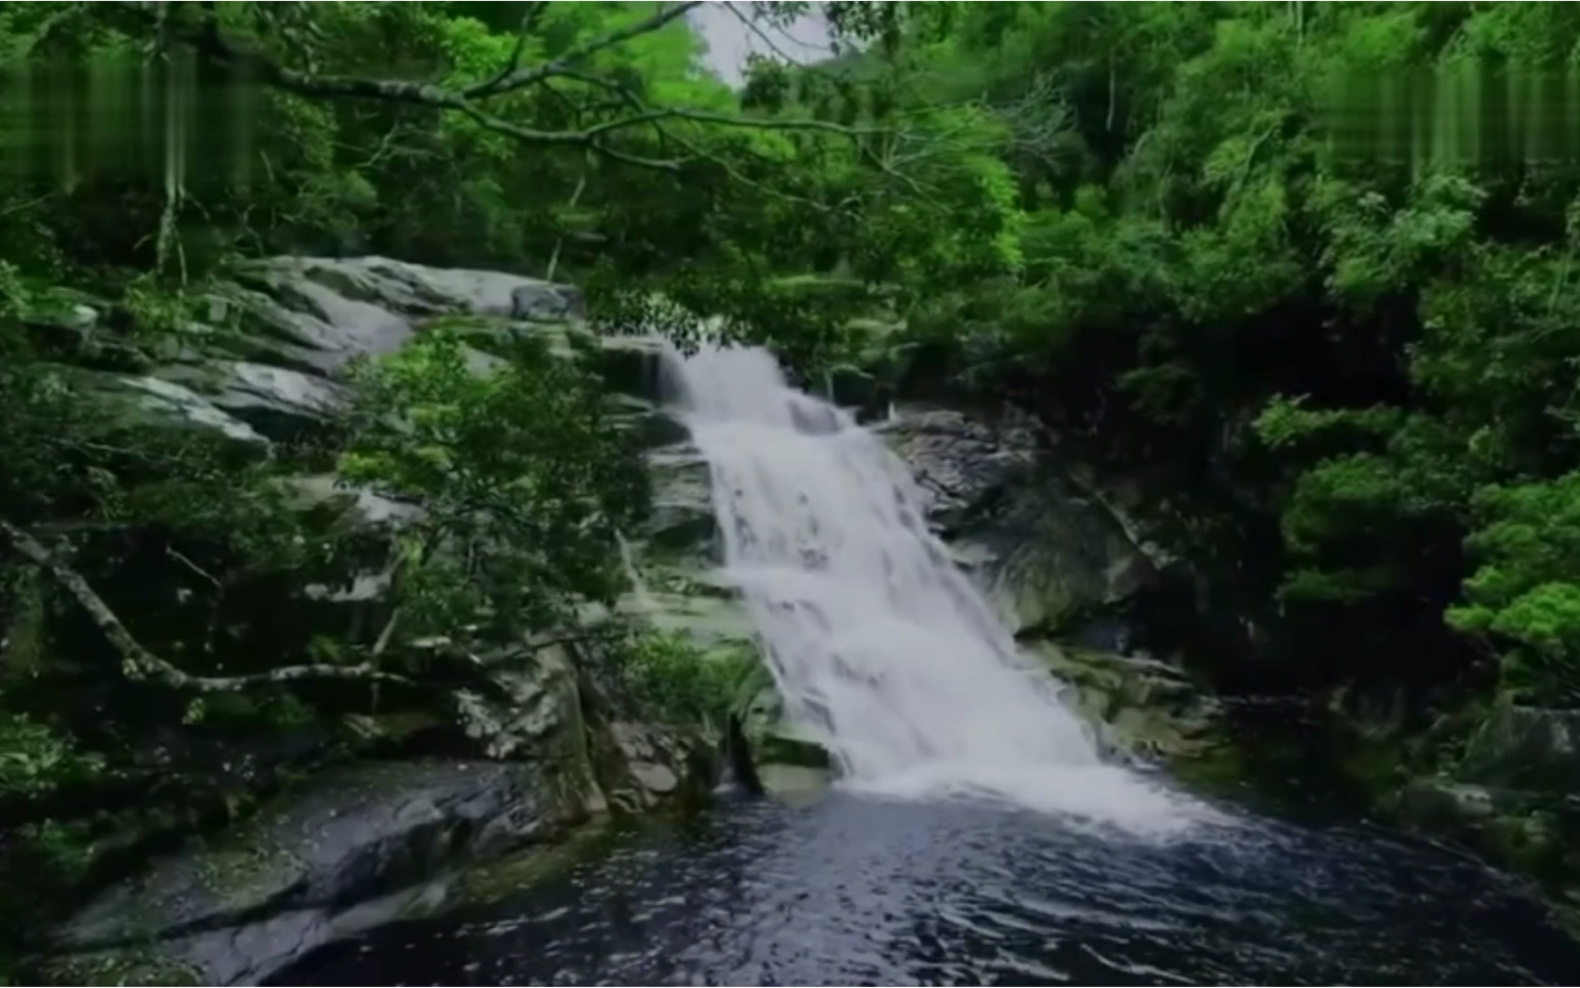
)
(142, 664)
(204, 36)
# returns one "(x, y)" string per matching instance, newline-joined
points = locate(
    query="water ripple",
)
(861, 892)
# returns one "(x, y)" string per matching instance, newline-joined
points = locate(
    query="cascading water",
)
(876, 639)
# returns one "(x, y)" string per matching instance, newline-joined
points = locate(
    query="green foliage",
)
(1526, 587)
(524, 479)
(34, 760)
(681, 683)
(1325, 356)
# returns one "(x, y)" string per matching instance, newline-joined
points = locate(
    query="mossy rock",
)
(130, 966)
(788, 744)
(785, 755)
(1137, 705)
(355, 831)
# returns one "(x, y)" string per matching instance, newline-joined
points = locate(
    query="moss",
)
(1529, 842)
(502, 879)
(128, 966)
(238, 874)
(784, 744)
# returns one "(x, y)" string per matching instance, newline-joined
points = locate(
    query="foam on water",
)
(877, 641)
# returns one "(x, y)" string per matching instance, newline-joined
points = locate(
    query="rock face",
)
(1047, 549)
(542, 744)
(355, 848)
(1513, 794)
(1138, 707)
(1060, 560)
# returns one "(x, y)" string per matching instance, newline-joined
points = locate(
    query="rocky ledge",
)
(1510, 791)
(358, 846)
(537, 741)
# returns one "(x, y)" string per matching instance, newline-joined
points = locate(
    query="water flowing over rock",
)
(877, 642)
(1047, 549)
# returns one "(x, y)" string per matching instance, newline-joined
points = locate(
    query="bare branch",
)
(750, 22)
(521, 78)
(141, 664)
(185, 560)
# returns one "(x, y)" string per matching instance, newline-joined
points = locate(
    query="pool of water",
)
(856, 891)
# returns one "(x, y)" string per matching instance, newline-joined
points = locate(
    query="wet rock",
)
(656, 764)
(682, 518)
(541, 301)
(1521, 747)
(855, 390)
(344, 853)
(707, 620)
(1442, 801)
(417, 291)
(280, 403)
(1046, 548)
(960, 464)
(654, 428)
(786, 757)
(318, 326)
(632, 365)
(151, 403)
(655, 778)
(693, 602)
(357, 505)
(1136, 706)
(534, 710)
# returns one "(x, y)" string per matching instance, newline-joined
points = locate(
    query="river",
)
(978, 836)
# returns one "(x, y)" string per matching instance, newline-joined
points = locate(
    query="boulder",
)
(961, 465)
(654, 428)
(414, 291)
(351, 849)
(1137, 707)
(1047, 549)
(682, 519)
(142, 402)
(1526, 748)
(279, 402)
(632, 366)
(655, 764)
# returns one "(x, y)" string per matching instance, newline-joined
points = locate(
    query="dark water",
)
(857, 892)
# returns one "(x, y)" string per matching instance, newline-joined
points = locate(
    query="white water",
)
(877, 641)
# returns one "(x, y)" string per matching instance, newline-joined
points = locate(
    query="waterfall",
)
(876, 640)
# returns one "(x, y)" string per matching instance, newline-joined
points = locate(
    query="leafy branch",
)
(205, 36)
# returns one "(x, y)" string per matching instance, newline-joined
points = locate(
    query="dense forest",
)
(1302, 270)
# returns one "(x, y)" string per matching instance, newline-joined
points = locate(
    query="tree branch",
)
(208, 40)
(528, 21)
(141, 664)
(513, 78)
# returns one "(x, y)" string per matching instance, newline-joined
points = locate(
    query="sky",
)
(730, 40)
